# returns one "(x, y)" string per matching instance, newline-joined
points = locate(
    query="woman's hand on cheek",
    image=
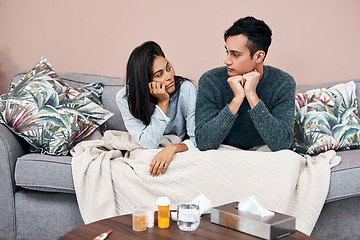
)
(162, 160)
(158, 90)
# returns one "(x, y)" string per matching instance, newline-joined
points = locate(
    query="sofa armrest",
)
(11, 147)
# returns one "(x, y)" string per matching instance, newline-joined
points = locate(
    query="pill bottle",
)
(149, 215)
(139, 220)
(163, 212)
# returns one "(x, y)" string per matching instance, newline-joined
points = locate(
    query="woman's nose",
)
(168, 75)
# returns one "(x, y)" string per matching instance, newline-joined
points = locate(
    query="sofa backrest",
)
(111, 86)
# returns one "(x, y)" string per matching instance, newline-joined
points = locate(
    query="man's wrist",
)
(235, 104)
(252, 99)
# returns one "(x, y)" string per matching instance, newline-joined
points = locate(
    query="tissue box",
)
(272, 227)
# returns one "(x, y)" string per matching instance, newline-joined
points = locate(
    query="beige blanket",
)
(107, 183)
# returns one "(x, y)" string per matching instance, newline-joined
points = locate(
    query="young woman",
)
(155, 102)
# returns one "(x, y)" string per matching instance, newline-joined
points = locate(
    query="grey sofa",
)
(37, 199)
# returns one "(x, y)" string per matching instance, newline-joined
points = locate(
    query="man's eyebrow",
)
(232, 51)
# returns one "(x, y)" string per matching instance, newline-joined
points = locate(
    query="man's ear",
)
(259, 56)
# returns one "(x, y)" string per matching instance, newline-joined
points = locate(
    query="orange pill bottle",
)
(163, 204)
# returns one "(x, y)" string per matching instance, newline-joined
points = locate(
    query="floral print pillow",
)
(326, 119)
(50, 115)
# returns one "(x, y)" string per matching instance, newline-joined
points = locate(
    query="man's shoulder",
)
(273, 72)
(215, 74)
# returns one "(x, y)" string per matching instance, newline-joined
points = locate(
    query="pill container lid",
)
(163, 201)
(146, 208)
(139, 212)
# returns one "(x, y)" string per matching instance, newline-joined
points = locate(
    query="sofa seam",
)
(342, 198)
(42, 186)
(33, 160)
(345, 169)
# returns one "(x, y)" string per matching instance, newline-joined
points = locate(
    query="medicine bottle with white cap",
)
(163, 212)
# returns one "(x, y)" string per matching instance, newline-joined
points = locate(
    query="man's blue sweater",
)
(269, 123)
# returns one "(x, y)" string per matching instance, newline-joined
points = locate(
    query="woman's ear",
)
(259, 56)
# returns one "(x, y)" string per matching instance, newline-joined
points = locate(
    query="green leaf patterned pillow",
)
(326, 119)
(93, 91)
(50, 115)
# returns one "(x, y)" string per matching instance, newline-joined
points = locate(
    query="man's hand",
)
(162, 160)
(158, 91)
(244, 86)
(236, 84)
(251, 80)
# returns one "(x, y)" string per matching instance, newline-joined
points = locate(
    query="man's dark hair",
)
(257, 32)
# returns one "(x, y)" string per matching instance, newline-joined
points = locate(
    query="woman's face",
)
(163, 73)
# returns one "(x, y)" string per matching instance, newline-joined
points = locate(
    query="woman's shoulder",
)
(187, 90)
(120, 96)
(187, 85)
(122, 91)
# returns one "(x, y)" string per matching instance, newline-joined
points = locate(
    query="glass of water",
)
(188, 215)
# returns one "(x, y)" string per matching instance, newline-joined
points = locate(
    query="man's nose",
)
(227, 60)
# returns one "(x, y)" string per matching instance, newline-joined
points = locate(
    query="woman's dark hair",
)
(258, 33)
(138, 75)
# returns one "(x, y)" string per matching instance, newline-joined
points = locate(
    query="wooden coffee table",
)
(121, 227)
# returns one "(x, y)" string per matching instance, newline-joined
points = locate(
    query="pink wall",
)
(315, 41)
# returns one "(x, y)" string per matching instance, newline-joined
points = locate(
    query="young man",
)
(246, 103)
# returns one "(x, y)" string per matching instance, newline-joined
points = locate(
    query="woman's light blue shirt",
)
(179, 120)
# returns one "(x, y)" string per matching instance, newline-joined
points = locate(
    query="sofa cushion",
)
(44, 173)
(345, 180)
(49, 114)
(326, 118)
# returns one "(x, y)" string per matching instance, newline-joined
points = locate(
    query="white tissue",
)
(205, 206)
(251, 205)
(173, 216)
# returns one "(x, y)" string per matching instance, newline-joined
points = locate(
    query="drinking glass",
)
(188, 215)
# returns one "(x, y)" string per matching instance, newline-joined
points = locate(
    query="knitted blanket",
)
(109, 182)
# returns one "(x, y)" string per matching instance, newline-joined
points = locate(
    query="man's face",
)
(238, 60)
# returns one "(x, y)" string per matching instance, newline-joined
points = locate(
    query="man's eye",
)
(235, 54)
(168, 68)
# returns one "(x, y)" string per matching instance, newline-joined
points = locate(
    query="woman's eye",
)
(169, 68)
(158, 75)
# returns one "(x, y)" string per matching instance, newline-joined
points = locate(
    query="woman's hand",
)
(161, 161)
(158, 91)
